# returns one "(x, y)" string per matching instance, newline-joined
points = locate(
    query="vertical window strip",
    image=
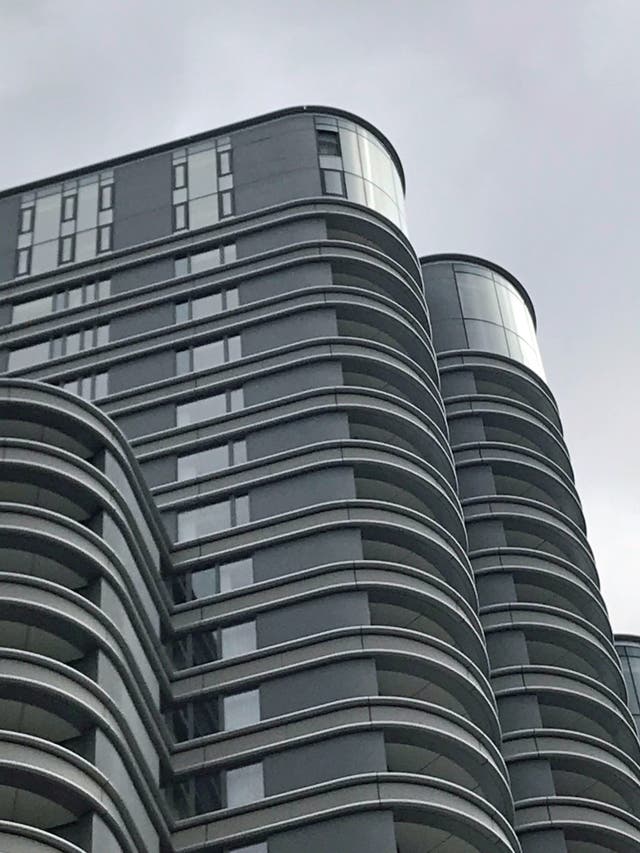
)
(202, 181)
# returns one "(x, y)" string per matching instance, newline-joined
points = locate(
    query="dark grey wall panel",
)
(160, 470)
(285, 281)
(314, 550)
(318, 685)
(142, 320)
(297, 433)
(281, 236)
(307, 325)
(323, 375)
(9, 212)
(140, 371)
(147, 421)
(275, 162)
(360, 833)
(148, 273)
(341, 610)
(332, 484)
(335, 758)
(142, 209)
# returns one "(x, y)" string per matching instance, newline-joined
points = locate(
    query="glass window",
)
(179, 175)
(24, 259)
(44, 256)
(478, 297)
(206, 306)
(179, 217)
(205, 260)
(86, 245)
(202, 177)
(87, 210)
(252, 848)
(332, 182)
(29, 356)
(238, 639)
(241, 709)
(106, 196)
(68, 207)
(208, 355)
(235, 348)
(242, 509)
(101, 385)
(47, 219)
(226, 206)
(230, 253)
(66, 250)
(183, 362)
(328, 142)
(183, 312)
(244, 785)
(203, 520)
(26, 219)
(24, 311)
(486, 336)
(232, 299)
(200, 410)
(204, 582)
(181, 266)
(73, 343)
(203, 462)
(236, 574)
(239, 449)
(237, 399)
(224, 162)
(203, 211)
(105, 238)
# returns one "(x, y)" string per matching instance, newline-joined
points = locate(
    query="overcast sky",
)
(518, 124)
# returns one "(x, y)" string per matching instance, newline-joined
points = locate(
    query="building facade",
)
(292, 553)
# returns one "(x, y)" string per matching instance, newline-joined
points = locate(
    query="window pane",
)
(204, 583)
(332, 182)
(200, 410)
(235, 348)
(87, 213)
(478, 297)
(179, 217)
(328, 142)
(205, 717)
(202, 178)
(179, 175)
(242, 509)
(104, 288)
(230, 254)
(204, 520)
(101, 385)
(23, 261)
(30, 310)
(239, 452)
(56, 347)
(235, 575)
(237, 399)
(207, 306)
(73, 343)
(203, 462)
(68, 207)
(47, 219)
(74, 297)
(183, 362)
(106, 197)
(66, 250)
(232, 298)
(182, 312)
(224, 159)
(241, 709)
(105, 238)
(181, 266)
(486, 336)
(203, 211)
(26, 219)
(29, 356)
(238, 639)
(208, 355)
(86, 245)
(244, 785)
(205, 260)
(227, 203)
(44, 256)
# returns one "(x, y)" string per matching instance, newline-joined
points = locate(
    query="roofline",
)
(217, 131)
(475, 259)
(627, 638)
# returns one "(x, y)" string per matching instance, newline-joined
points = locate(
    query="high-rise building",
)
(292, 556)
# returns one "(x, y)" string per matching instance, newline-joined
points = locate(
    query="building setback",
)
(292, 556)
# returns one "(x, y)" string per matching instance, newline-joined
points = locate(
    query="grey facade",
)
(293, 557)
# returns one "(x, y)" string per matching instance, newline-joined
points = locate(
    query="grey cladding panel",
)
(315, 550)
(142, 320)
(140, 371)
(297, 433)
(281, 236)
(296, 379)
(317, 686)
(372, 832)
(303, 490)
(142, 274)
(143, 207)
(335, 758)
(160, 470)
(147, 421)
(9, 212)
(285, 281)
(275, 162)
(341, 610)
(304, 325)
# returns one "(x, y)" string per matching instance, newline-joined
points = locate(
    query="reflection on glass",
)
(241, 709)
(204, 520)
(203, 462)
(200, 410)
(244, 785)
